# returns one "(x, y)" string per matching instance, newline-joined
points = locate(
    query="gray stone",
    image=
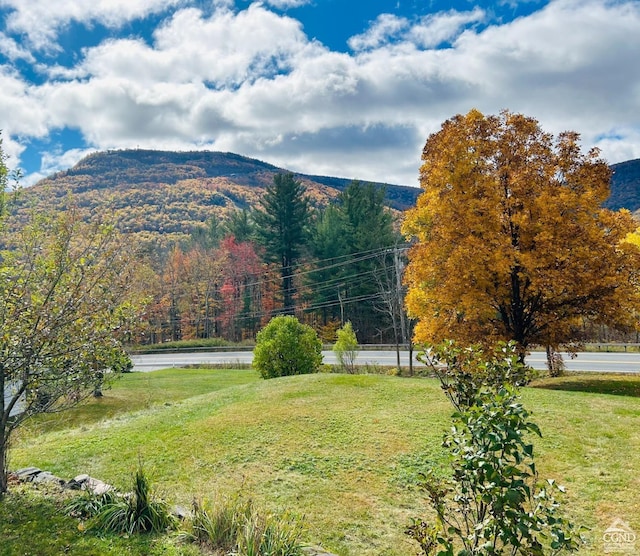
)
(96, 486)
(72, 485)
(180, 512)
(316, 551)
(27, 473)
(47, 477)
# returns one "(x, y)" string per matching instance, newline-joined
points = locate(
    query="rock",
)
(316, 551)
(73, 485)
(180, 512)
(47, 477)
(86, 482)
(27, 473)
(97, 487)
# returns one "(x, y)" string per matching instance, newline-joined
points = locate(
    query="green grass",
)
(133, 392)
(35, 525)
(341, 451)
(617, 385)
(190, 344)
(620, 347)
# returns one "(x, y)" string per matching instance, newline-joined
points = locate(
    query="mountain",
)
(625, 186)
(161, 194)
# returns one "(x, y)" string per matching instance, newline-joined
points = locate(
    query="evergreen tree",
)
(329, 244)
(371, 231)
(281, 228)
(207, 235)
(349, 241)
(240, 225)
(368, 217)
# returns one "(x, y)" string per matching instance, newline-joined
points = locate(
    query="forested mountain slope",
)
(163, 195)
(166, 194)
(625, 186)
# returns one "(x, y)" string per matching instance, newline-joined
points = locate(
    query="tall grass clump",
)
(236, 527)
(129, 513)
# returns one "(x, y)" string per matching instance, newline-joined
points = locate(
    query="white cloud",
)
(22, 114)
(428, 32)
(12, 149)
(12, 51)
(252, 82)
(284, 4)
(383, 29)
(58, 160)
(230, 47)
(54, 161)
(40, 20)
(572, 64)
(440, 28)
(225, 50)
(620, 144)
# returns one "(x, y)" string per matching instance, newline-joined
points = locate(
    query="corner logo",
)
(619, 538)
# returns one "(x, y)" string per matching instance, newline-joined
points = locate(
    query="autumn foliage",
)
(511, 242)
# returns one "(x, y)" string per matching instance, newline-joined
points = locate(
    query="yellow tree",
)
(510, 240)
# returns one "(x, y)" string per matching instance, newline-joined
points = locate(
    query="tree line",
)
(326, 266)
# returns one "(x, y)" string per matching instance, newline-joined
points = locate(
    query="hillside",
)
(163, 195)
(343, 452)
(625, 186)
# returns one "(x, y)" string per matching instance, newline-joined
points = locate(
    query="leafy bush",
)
(464, 371)
(346, 347)
(236, 527)
(493, 503)
(287, 347)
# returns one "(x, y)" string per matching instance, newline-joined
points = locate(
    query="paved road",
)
(593, 362)
(585, 361)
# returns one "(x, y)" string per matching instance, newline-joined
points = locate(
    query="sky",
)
(346, 88)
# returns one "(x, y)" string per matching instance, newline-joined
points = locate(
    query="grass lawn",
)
(342, 451)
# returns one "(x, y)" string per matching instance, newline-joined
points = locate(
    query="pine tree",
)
(281, 228)
(370, 224)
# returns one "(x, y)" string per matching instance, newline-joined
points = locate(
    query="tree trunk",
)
(410, 357)
(3, 436)
(555, 363)
(287, 287)
(4, 472)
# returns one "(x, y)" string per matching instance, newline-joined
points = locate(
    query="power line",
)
(345, 281)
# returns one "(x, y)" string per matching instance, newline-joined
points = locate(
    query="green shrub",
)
(88, 504)
(346, 347)
(493, 503)
(287, 347)
(464, 371)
